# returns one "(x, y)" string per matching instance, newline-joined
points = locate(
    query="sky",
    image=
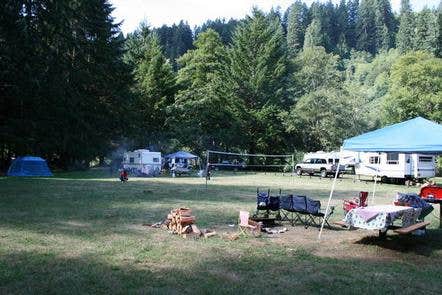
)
(196, 12)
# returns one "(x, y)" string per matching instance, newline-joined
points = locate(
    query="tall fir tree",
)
(224, 28)
(426, 32)
(202, 115)
(439, 38)
(366, 27)
(63, 104)
(350, 34)
(258, 80)
(175, 40)
(314, 35)
(296, 26)
(404, 37)
(155, 84)
(375, 28)
(385, 25)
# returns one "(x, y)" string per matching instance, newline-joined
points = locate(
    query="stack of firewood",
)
(181, 221)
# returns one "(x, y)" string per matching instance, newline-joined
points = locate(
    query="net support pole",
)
(329, 200)
(293, 165)
(207, 166)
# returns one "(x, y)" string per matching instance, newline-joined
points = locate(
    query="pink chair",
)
(246, 224)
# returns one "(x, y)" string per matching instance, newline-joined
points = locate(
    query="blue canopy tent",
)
(181, 155)
(417, 135)
(179, 162)
(29, 166)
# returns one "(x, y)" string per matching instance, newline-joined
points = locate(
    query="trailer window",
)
(392, 158)
(426, 159)
(156, 160)
(330, 161)
(131, 160)
(374, 160)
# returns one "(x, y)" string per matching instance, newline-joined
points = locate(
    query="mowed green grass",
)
(82, 233)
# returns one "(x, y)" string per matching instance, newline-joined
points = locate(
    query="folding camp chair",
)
(266, 205)
(360, 201)
(294, 209)
(246, 225)
(316, 214)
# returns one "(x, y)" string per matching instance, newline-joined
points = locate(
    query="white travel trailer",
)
(142, 163)
(397, 166)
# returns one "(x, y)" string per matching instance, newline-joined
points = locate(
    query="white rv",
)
(142, 163)
(396, 166)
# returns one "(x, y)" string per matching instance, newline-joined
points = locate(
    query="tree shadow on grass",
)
(425, 245)
(246, 271)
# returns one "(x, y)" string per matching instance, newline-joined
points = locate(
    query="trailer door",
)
(408, 165)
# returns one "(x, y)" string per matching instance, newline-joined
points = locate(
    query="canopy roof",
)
(181, 155)
(417, 135)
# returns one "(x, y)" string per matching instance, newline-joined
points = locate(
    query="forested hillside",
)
(73, 88)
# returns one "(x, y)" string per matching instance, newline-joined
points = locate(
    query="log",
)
(210, 234)
(186, 230)
(195, 229)
(187, 220)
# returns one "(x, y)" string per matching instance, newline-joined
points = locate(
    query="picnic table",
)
(381, 217)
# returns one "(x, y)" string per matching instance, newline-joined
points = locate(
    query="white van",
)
(142, 163)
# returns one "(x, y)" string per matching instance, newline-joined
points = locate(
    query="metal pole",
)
(328, 203)
(293, 169)
(207, 166)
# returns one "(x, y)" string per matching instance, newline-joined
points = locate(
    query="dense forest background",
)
(74, 89)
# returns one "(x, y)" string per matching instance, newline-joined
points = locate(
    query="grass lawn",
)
(83, 233)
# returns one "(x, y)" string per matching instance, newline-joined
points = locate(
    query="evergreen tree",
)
(175, 40)
(365, 27)
(350, 33)
(223, 28)
(439, 39)
(404, 38)
(155, 87)
(314, 35)
(324, 13)
(258, 80)
(202, 115)
(385, 25)
(426, 32)
(296, 26)
(341, 27)
(64, 101)
(136, 44)
(375, 28)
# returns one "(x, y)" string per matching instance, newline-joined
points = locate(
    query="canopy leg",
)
(329, 199)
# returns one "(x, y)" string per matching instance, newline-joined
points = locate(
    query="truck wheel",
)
(384, 179)
(323, 173)
(299, 171)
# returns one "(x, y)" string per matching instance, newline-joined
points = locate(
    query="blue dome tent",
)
(29, 166)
